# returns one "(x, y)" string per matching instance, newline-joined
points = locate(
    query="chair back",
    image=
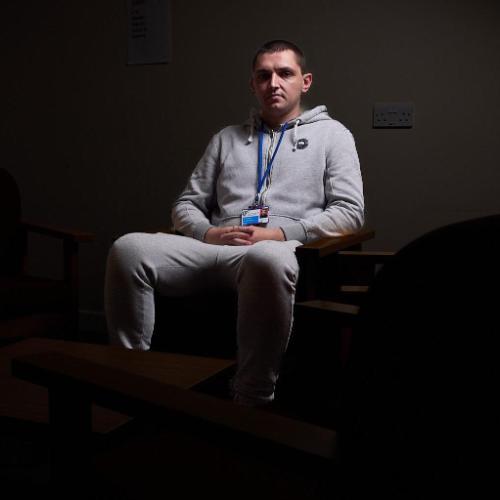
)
(12, 236)
(422, 382)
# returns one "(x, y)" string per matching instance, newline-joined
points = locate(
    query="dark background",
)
(105, 147)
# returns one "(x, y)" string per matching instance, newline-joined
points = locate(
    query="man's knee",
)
(127, 246)
(127, 251)
(272, 259)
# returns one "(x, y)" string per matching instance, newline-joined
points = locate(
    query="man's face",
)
(278, 84)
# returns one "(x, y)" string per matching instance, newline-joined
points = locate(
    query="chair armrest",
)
(64, 234)
(326, 246)
(70, 241)
(316, 258)
(135, 394)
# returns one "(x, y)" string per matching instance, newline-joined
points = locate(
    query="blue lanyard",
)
(262, 178)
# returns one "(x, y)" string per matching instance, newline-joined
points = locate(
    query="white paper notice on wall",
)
(149, 32)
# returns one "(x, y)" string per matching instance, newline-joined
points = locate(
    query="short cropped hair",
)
(278, 46)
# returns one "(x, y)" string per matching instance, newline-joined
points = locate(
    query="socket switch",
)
(393, 115)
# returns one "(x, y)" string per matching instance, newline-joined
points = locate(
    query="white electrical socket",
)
(393, 115)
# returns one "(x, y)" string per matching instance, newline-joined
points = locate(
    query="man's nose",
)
(274, 81)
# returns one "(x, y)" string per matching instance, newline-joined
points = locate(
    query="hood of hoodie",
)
(315, 114)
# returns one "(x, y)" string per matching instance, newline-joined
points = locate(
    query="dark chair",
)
(420, 387)
(32, 305)
(418, 415)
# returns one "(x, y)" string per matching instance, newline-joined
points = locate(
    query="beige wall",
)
(105, 147)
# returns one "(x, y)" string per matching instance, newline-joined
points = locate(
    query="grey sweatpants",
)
(264, 276)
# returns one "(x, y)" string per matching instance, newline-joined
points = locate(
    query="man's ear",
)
(307, 80)
(252, 88)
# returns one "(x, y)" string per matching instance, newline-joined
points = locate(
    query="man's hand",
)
(231, 235)
(242, 235)
(265, 233)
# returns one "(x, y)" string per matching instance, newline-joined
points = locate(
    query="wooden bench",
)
(74, 383)
(28, 401)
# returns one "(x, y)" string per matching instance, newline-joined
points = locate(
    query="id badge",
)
(255, 214)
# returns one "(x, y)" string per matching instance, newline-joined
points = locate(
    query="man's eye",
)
(262, 77)
(286, 74)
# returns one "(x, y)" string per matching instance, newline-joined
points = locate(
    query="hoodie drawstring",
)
(252, 126)
(295, 139)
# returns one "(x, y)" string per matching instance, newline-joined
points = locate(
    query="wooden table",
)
(26, 401)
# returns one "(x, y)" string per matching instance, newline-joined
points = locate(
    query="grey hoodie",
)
(314, 190)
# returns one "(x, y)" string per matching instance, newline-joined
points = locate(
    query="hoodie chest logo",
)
(302, 143)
